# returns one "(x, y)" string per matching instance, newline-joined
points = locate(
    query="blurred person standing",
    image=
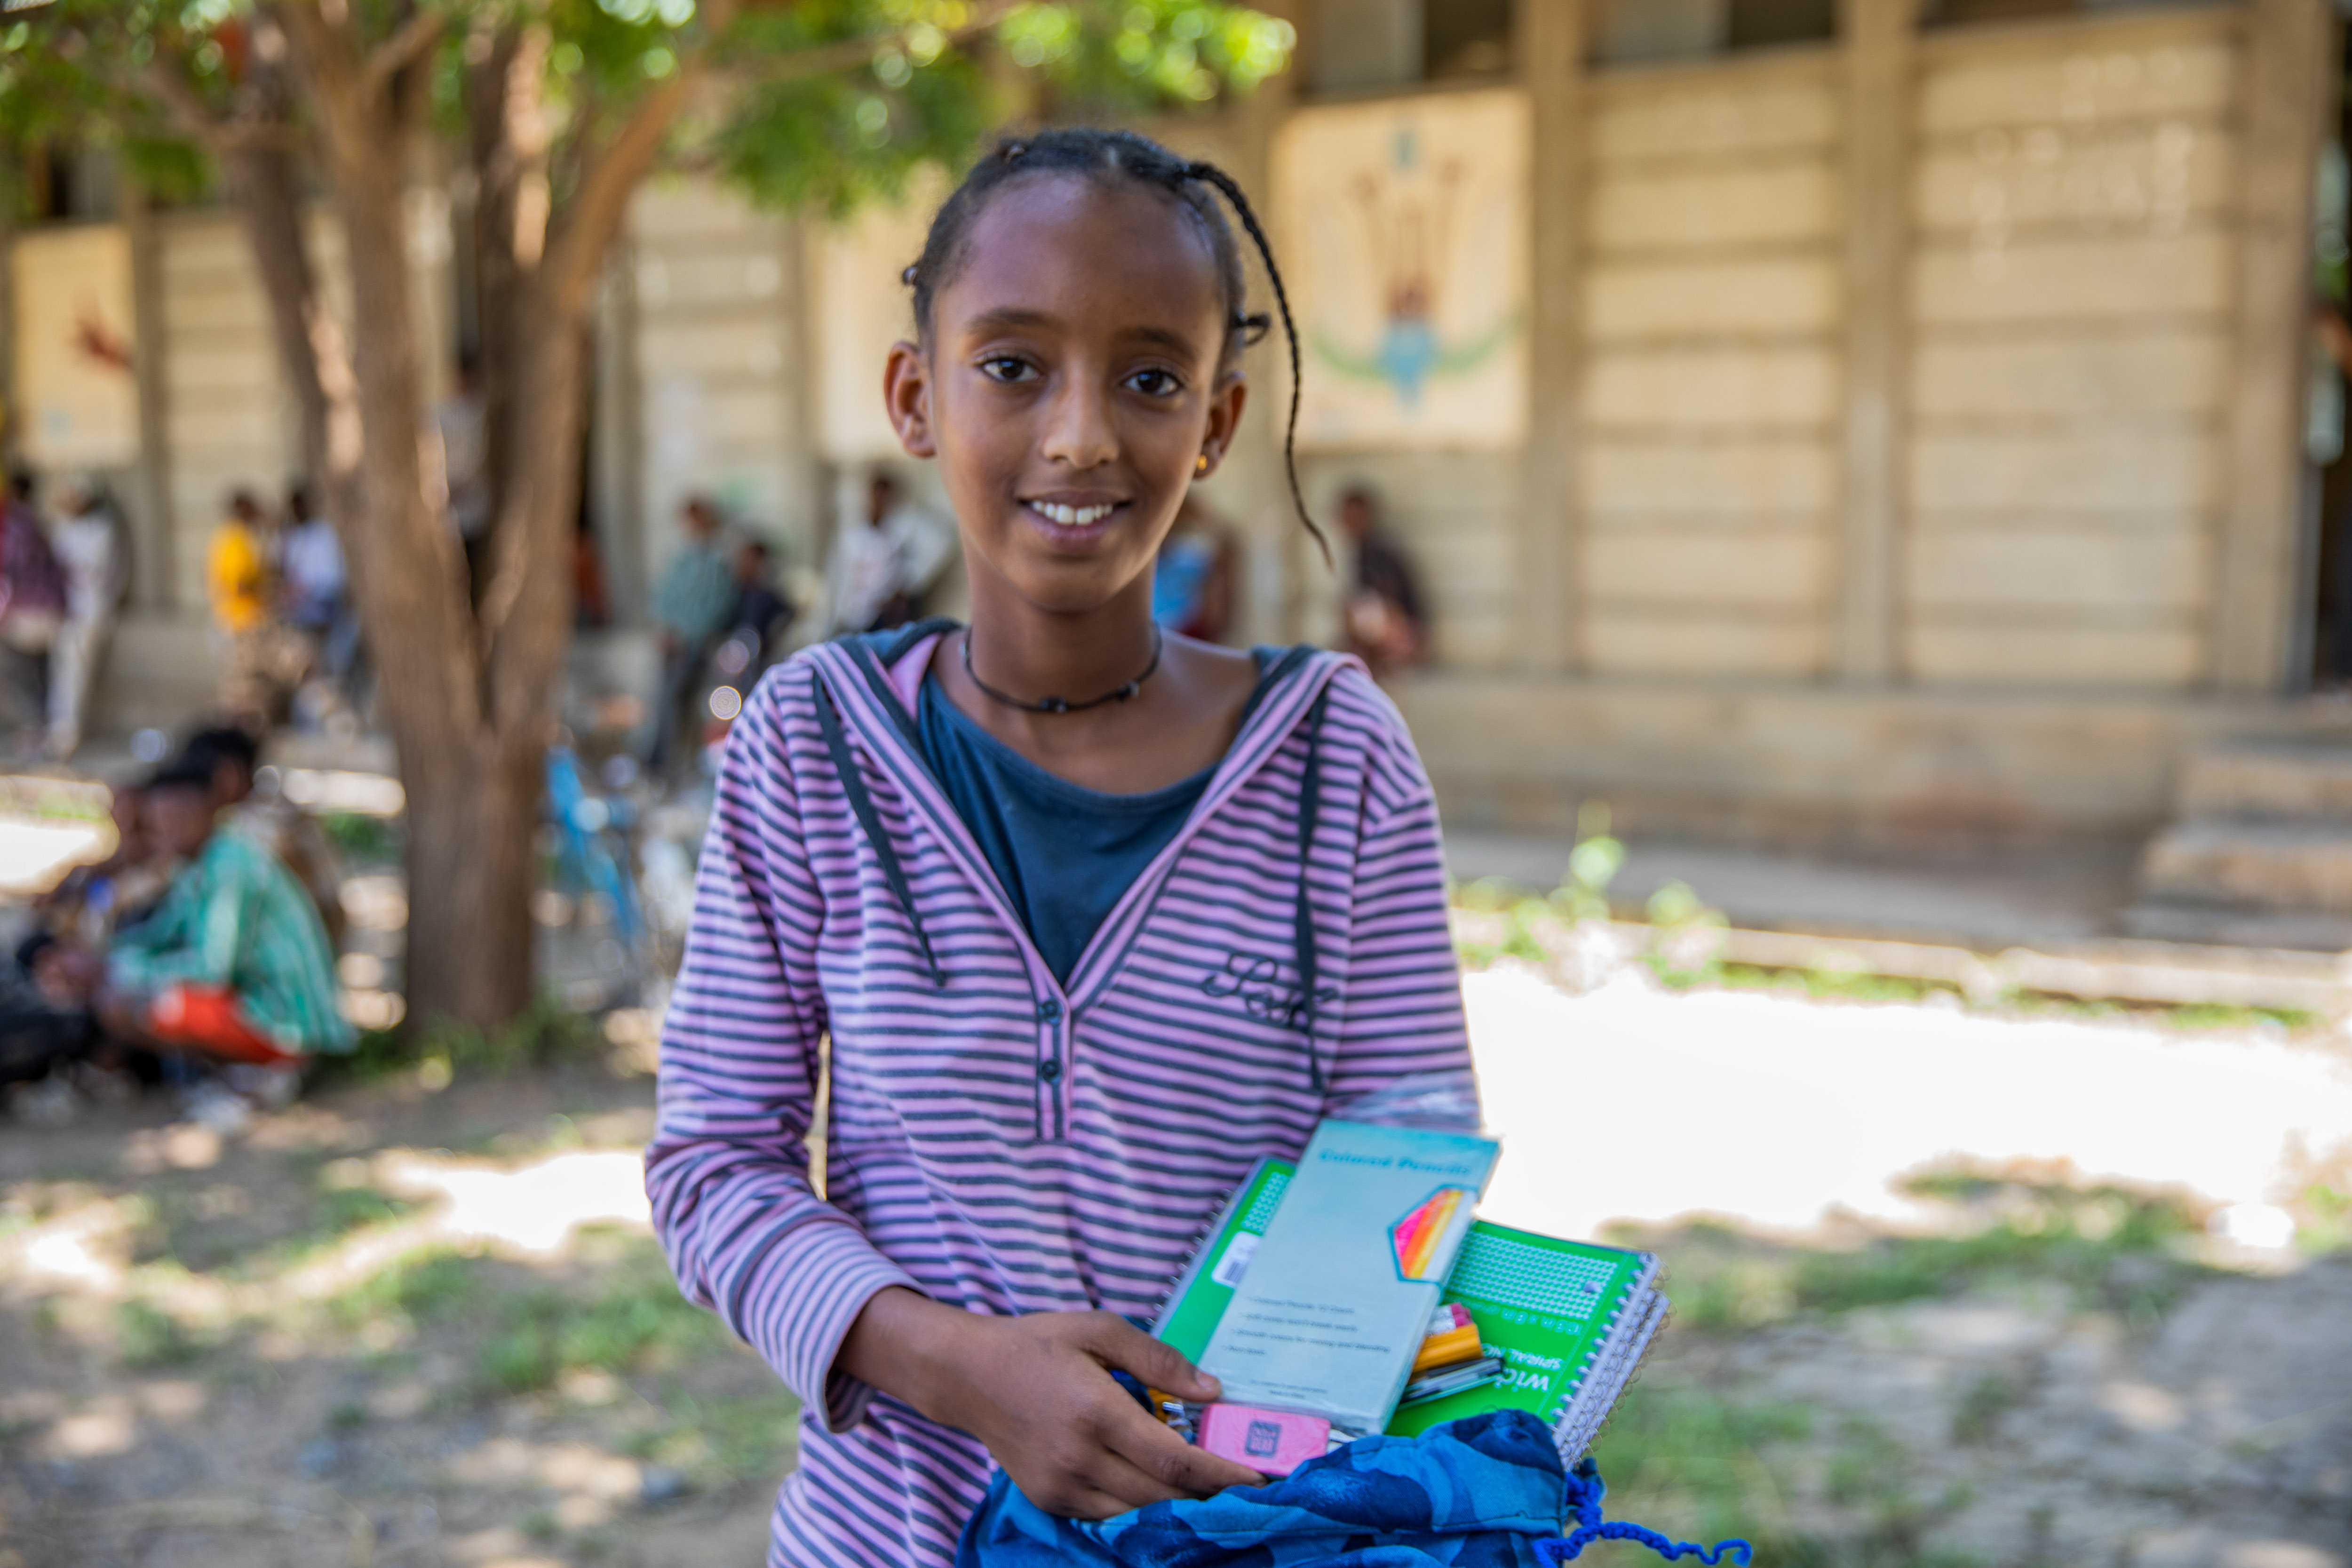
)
(315, 589)
(924, 543)
(762, 615)
(32, 605)
(88, 544)
(1192, 581)
(692, 605)
(237, 581)
(862, 578)
(1382, 615)
(461, 445)
(887, 561)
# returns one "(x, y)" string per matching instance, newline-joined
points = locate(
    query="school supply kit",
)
(1419, 1385)
(1355, 1293)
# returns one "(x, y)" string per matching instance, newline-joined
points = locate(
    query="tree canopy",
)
(801, 103)
(552, 113)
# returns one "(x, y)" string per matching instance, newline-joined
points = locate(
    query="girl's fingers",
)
(1169, 1462)
(1123, 1345)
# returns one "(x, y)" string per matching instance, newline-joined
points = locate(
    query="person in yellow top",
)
(237, 578)
(236, 567)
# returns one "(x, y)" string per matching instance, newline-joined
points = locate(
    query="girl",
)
(1093, 916)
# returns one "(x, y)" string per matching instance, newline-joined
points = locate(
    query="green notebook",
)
(1569, 1319)
(1198, 1299)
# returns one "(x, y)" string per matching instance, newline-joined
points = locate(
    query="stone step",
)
(2237, 926)
(2299, 780)
(2305, 865)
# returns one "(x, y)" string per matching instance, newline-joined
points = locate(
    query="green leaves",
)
(818, 104)
(934, 78)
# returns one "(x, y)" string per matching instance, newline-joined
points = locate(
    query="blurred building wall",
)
(1910, 420)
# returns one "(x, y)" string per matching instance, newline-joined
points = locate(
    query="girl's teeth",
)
(1070, 516)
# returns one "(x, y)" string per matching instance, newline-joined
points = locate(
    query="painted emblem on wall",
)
(75, 369)
(1404, 236)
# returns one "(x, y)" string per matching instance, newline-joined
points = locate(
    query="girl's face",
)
(1072, 386)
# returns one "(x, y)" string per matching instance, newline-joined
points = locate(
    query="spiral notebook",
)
(1569, 1320)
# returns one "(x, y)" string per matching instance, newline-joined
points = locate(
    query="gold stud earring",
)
(1201, 464)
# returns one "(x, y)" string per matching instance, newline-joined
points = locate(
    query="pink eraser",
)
(1271, 1442)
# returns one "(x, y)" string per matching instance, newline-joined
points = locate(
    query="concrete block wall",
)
(1711, 310)
(720, 368)
(228, 421)
(2073, 303)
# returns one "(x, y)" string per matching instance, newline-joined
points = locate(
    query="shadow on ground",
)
(373, 1331)
(396, 1324)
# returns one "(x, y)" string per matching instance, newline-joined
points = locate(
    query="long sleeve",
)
(1403, 1053)
(192, 941)
(728, 1169)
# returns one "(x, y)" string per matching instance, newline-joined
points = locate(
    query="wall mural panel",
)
(76, 374)
(1403, 236)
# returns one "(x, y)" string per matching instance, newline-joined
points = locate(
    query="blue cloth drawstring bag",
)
(1485, 1491)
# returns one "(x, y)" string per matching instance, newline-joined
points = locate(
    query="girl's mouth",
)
(1073, 521)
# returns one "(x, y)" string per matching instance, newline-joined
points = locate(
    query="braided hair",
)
(1107, 156)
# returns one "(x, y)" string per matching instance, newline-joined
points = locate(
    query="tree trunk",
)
(468, 672)
(473, 821)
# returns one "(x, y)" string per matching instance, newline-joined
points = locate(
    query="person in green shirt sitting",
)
(233, 964)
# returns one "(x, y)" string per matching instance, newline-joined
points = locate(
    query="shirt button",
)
(1051, 1071)
(1048, 1010)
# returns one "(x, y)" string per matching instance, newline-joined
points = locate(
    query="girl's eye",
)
(1006, 368)
(1155, 383)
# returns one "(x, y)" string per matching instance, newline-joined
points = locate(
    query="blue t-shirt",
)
(1064, 854)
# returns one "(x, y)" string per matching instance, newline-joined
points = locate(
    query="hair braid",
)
(1210, 173)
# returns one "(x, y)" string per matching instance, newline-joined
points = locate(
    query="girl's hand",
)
(1038, 1391)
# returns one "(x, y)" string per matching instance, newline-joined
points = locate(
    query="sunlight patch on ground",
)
(34, 855)
(1634, 1103)
(532, 1208)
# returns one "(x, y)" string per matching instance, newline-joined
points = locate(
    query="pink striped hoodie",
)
(998, 1141)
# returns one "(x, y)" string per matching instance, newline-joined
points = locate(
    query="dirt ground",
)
(262, 1353)
(400, 1324)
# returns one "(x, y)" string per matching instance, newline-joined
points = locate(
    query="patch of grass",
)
(2326, 1220)
(430, 1285)
(149, 1337)
(2225, 1016)
(357, 836)
(2074, 1236)
(546, 1034)
(637, 1319)
(2110, 1247)
(1981, 1406)
(1681, 1459)
(1705, 1468)
(721, 1440)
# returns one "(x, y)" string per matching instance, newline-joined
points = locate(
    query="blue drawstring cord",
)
(1585, 1491)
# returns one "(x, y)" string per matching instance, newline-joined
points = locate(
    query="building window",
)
(1368, 45)
(1632, 32)
(1968, 12)
(1465, 38)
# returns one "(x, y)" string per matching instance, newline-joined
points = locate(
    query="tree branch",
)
(409, 43)
(848, 54)
(610, 175)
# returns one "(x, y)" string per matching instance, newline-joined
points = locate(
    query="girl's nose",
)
(1079, 433)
